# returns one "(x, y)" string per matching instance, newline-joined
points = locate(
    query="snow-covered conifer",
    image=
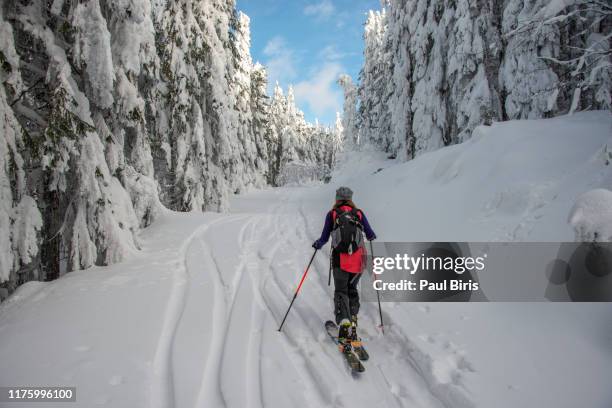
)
(434, 70)
(349, 117)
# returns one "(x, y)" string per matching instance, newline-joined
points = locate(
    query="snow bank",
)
(591, 216)
(512, 181)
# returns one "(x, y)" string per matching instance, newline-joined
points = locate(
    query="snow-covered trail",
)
(241, 271)
(219, 346)
(192, 322)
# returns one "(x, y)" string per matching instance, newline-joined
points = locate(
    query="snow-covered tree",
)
(375, 82)
(591, 216)
(435, 69)
(337, 140)
(349, 116)
(252, 157)
(260, 125)
(400, 140)
(301, 151)
(125, 128)
(585, 56)
(20, 219)
(473, 57)
(193, 104)
(530, 84)
(88, 218)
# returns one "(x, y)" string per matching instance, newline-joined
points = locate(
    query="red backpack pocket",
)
(352, 263)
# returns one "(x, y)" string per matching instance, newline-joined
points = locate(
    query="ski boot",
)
(344, 336)
(354, 328)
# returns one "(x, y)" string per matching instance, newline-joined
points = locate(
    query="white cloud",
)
(275, 46)
(320, 92)
(331, 53)
(321, 10)
(317, 93)
(281, 62)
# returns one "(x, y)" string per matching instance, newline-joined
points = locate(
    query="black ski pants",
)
(346, 295)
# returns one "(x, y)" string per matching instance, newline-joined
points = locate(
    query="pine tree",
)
(126, 128)
(531, 86)
(251, 157)
(349, 116)
(375, 82)
(260, 126)
(20, 219)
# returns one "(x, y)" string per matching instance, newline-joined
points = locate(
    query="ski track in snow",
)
(332, 364)
(246, 302)
(162, 390)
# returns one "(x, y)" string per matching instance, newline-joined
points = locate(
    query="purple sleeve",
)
(369, 232)
(326, 229)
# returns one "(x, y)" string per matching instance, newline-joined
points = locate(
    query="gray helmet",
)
(344, 193)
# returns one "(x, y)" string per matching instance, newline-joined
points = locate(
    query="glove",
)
(317, 245)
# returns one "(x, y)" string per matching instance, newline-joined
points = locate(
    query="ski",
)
(360, 350)
(351, 358)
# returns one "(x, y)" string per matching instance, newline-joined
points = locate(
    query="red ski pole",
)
(298, 289)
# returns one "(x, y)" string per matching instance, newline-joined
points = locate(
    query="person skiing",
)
(346, 225)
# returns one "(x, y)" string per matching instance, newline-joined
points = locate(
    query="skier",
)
(346, 224)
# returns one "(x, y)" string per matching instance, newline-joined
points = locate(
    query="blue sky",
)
(308, 43)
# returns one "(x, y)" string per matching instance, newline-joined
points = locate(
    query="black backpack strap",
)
(336, 213)
(355, 212)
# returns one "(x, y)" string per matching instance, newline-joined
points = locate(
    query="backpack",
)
(347, 232)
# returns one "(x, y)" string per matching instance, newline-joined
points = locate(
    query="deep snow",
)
(191, 319)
